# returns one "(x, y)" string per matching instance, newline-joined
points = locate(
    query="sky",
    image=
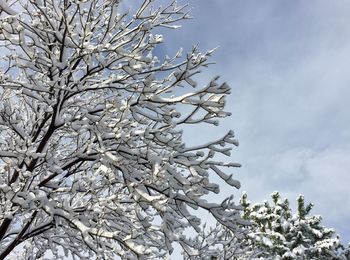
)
(287, 63)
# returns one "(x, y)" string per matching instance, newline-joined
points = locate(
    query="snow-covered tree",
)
(275, 233)
(92, 159)
(279, 232)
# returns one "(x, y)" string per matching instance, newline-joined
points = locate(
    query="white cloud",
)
(288, 65)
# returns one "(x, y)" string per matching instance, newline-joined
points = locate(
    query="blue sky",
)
(288, 65)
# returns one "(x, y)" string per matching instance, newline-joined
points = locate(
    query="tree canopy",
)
(92, 158)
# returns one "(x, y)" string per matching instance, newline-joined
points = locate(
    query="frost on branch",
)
(92, 156)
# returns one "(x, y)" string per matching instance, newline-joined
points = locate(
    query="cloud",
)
(287, 63)
(328, 178)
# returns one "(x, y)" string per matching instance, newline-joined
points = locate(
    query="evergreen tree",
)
(274, 232)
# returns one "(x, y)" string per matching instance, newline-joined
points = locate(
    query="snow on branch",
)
(92, 157)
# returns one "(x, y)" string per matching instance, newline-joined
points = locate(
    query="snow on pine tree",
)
(92, 160)
(281, 234)
(275, 233)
